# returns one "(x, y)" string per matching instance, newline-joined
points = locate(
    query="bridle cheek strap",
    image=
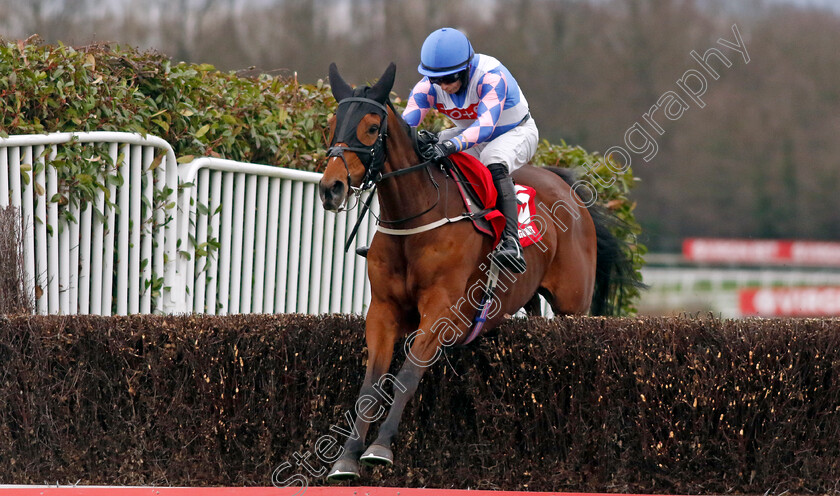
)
(374, 156)
(338, 151)
(350, 112)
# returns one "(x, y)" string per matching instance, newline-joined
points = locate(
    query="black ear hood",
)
(382, 89)
(340, 89)
(378, 92)
(353, 106)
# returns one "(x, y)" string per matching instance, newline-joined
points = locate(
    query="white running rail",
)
(106, 261)
(260, 242)
(244, 238)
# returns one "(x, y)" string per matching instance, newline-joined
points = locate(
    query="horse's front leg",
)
(423, 348)
(381, 329)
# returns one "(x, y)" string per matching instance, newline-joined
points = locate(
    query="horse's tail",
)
(615, 277)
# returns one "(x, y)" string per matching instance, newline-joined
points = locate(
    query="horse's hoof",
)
(377, 454)
(343, 470)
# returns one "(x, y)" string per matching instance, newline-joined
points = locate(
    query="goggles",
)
(447, 79)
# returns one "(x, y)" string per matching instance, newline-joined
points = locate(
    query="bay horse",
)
(420, 279)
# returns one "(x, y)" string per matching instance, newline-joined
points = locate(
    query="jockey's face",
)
(451, 88)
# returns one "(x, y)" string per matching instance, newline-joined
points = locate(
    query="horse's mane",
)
(418, 140)
(400, 120)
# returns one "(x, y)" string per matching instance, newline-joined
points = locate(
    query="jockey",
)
(491, 117)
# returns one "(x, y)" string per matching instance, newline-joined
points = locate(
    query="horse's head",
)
(356, 156)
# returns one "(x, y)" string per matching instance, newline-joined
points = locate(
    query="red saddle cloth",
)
(477, 177)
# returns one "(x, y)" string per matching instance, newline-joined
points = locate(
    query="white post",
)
(259, 245)
(271, 248)
(247, 231)
(123, 257)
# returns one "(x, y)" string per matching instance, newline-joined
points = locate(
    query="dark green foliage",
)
(197, 109)
(644, 405)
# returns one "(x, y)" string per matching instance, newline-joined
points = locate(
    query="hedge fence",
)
(584, 404)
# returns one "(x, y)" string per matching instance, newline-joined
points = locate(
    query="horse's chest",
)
(403, 285)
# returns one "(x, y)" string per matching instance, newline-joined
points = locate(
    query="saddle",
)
(475, 185)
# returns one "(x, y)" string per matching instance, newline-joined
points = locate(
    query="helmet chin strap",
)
(465, 78)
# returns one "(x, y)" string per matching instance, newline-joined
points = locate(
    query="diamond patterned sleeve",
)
(421, 99)
(492, 91)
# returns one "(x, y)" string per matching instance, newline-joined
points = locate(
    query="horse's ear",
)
(382, 88)
(340, 89)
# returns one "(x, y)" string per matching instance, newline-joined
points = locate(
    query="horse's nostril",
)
(332, 195)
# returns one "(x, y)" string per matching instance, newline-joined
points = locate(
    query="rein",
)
(367, 203)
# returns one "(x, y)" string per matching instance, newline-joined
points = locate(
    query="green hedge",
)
(574, 404)
(197, 109)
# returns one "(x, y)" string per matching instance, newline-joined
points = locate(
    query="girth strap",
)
(423, 228)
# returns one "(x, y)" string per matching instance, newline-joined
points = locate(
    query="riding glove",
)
(443, 150)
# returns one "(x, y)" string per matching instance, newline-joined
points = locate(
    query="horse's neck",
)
(409, 194)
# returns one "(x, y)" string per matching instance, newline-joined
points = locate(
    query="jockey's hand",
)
(443, 150)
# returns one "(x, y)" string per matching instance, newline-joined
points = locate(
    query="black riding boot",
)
(509, 252)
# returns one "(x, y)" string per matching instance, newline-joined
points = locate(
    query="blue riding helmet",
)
(445, 51)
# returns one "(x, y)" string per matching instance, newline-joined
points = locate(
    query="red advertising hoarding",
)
(719, 250)
(790, 302)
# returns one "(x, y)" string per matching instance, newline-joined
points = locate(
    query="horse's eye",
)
(374, 129)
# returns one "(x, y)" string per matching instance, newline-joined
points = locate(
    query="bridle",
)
(345, 132)
(374, 155)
